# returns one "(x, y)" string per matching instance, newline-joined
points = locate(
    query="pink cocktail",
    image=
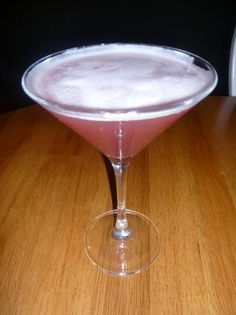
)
(119, 97)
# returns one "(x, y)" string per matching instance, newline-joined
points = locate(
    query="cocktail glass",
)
(121, 241)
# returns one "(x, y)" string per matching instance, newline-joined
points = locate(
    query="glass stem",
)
(121, 229)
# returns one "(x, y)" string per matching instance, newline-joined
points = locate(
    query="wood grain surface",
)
(52, 184)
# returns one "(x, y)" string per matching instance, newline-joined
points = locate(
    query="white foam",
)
(118, 76)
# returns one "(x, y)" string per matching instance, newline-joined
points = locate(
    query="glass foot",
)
(117, 256)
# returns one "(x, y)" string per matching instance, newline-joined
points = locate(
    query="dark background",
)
(32, 30)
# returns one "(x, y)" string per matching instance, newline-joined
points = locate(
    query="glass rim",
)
(119, 113)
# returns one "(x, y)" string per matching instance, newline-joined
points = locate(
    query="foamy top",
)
(118, 76)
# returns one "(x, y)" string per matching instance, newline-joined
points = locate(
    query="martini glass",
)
(119, 97)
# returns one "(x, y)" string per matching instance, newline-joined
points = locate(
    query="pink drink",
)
(119, 97)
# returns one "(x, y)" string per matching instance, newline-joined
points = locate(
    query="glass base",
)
(122, 257)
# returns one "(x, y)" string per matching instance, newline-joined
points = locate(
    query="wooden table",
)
(52, 183)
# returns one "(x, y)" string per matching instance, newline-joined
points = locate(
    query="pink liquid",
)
(112, 79)
(119, 139)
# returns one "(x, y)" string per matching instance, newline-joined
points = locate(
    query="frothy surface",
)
(118, 76)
